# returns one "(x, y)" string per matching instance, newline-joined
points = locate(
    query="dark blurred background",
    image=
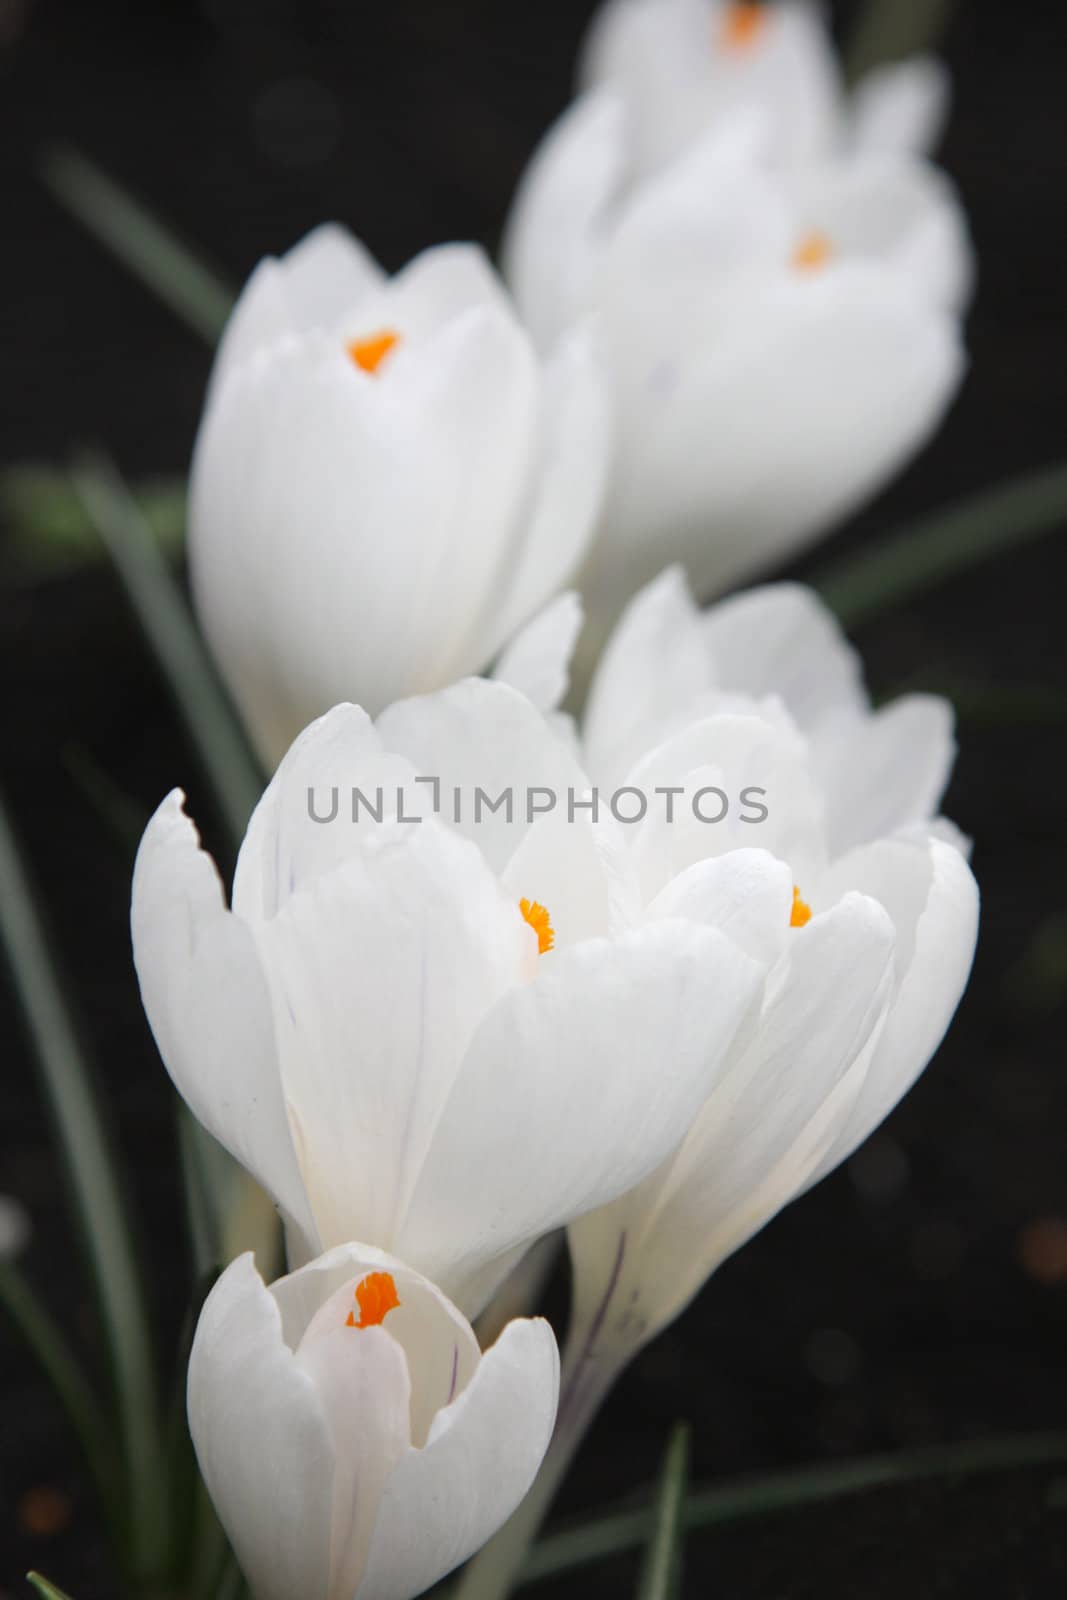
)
(920, 1295)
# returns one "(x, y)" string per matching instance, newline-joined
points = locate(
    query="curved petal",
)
(881, 772)
(551, 241)
(567, 486)
(336, 782)
(262, 1440)
(901, 107)
(537, 660)
(746, 894)
(787, 377)
(312, 286)
(592, 1034)
(438, 1341)
(481, 735)
(821, 1017)
(444, 1501)
(208, 1005)
(780, 639)
(380, 973)
(898, 210)
(930, 892)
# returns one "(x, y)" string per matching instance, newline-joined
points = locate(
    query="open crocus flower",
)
(434, 1034)
(387, 481)
(355, 1441)
(779, 339)
(862, 905)
(854, 898)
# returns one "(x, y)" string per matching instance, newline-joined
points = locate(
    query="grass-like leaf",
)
(936, 547)
(161, 608)
(763, 1495)
(43, 1587)
(47, 531)
(91, 1168)
(149, 249)
(661, 1572)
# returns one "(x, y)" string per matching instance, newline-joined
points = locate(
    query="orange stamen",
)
(536, 915)
(376, 1296)
(371, 352)
(801, 912)
(742, 25)
(812, 252)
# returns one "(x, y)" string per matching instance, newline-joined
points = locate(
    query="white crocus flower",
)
(687, 67)
(857, 902)
(779, 337)
(355, 1441)
(445, 1045)
(387, 481)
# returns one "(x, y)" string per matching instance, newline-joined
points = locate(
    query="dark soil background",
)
(920, 1295)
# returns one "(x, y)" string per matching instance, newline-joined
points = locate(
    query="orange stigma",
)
(801, 912)
(376, 1296)
(536, 915)
(742, 25)
(812, 252)
(371, 352)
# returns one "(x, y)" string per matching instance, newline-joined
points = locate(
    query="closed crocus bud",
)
(779, 336)
(387, 480)
(386, 1024)
(356, 1443)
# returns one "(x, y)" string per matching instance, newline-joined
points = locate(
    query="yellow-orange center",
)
(376, 1296)
(801, 912)
(813, 251)
(369, 353)
(537, 916)
(742, 25)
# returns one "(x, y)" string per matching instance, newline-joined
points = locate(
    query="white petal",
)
(482, 735)
(444, 1501)
(746, 894)
(788, 380)
(307, 822)
(442, 1352)
(442, 283)
(897, 210)
(314, 284)
(754, 1142)
(207, 1002)
(262, 1440)
(551, 242)
(654, 661)
(930, 892)
(627, 1036)
(567, 486)
(901, 106)
(883, 771)
(781, 639)
(380, 972)
(537, 661)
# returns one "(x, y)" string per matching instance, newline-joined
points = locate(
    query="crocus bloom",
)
(689, 66)
(387, 480)
(858, 903)
(780, 337)
(842, 1034)
(355, 1441)
(429, 1036)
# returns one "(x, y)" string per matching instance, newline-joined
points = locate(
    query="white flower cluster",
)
(435, 1044)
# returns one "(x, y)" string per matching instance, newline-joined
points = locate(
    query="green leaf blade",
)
(661, 1572)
